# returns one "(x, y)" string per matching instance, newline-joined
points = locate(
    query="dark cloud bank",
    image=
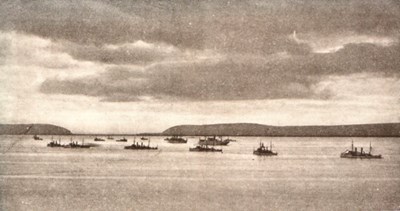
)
(261, 60)
(234, 79)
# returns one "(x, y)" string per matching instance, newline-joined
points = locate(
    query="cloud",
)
(76, 21)
(226, 80)
(362, 87)
(139, 52)
(355, 58)
(243, 26)
(334, 43)
(235, 77)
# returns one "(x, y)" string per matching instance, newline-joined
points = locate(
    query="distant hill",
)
(32, 129)
(248, 129)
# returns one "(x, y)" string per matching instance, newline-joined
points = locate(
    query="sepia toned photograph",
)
(199, 105)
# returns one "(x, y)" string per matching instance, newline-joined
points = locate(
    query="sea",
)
(307, 174)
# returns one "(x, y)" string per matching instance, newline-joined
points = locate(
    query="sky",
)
(142, 66)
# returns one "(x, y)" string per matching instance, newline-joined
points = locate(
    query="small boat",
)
(214, 141)
(122, 140)
(36, 137)
(144, 138)
(110, 137)
(99, 139)
(263, 150)
(141, 146)
(176, 140)
(353, 153)
(204, 148)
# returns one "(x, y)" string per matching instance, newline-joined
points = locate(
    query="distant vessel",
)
(144, 138)
(176, 140)
(35, 137)
(74, 144)
(110, 137)
(263, 150)
(353, 153)
(53, 143)
(213, 141)
(141, 146)
(99, 139)
(122, 140)
(204, 148)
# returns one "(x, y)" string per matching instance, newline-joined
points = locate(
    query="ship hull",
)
(176, 141)
(54, 145)
(136, 148)
(213, 143)
(265, 153)
(204, 150)
(361, 156)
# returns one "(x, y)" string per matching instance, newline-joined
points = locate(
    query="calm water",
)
(306, 175)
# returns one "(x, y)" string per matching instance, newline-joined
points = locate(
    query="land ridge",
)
(252, 129)
(33, 129)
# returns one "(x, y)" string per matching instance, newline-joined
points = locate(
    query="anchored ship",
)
(353, 153)
(36, 137)
(75, 144)
(53, 143)
(263, 150)
(99, 139)
(141, 146)
(176, 140)
(204, 148)
(122, 140)
(214, 141)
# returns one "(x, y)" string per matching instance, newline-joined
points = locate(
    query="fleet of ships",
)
(206, 144)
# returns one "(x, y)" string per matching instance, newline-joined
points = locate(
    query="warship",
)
(213, 141)
(141, 146)
(204, 148)
(122, 140)
(99, 139)
(53, 143)
(176, 140)
(36, 137)
(75, 144)
(263, 150)
(353, 153)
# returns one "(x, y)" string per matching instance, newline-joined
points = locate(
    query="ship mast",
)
(352, 146)
(370, 147)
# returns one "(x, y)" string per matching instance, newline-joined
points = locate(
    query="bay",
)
(307, 174)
